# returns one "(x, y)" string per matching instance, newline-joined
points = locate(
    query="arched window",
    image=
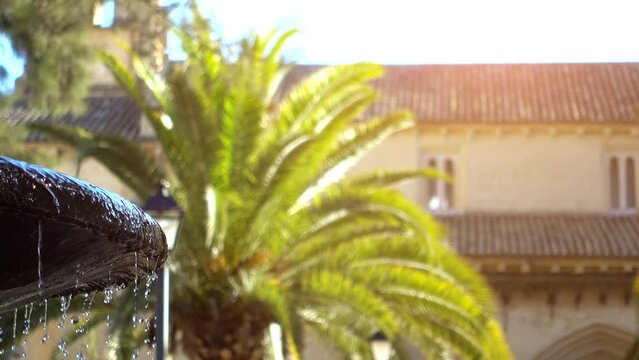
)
(450, 171)
(631, 197)
(614, 183)
(596, 342)
(622, 176)
(440, 195)
(431, 185)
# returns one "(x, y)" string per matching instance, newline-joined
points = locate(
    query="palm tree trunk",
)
(234, 332)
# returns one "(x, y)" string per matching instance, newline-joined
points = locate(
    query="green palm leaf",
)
(135, 166)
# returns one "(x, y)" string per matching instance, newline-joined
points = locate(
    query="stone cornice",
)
(496, 265)
(470, 130)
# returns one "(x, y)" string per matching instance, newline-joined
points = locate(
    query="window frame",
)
(623, 187)
(440, 160)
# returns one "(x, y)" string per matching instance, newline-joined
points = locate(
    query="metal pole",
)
(162, 315)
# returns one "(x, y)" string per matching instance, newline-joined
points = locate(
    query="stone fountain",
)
(63, 236)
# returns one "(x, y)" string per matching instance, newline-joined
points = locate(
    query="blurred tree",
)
(274, 232)
(54, 37)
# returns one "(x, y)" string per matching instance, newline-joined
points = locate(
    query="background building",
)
(543, 201)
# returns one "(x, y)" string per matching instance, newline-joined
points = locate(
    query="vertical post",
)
(162, 314)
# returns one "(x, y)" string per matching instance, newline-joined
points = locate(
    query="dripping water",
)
(86, 315)
(43, 321)
(109, 292)
(1, 338)
(136, 316)
(77, 276)
(109, 322)
(62, 346)
(65, 302)
(147, 291)
(108, 297)
(28, 309)
(40, 283)
(15, 324)
(150, 279)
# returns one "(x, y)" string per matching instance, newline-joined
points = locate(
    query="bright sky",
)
(442, 31)
(435, 31)
(10, 62)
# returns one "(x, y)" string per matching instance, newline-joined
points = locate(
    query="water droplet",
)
(15, 322)
(147, 291)
(135, 255)
(109, 322)
(77, 275)
(75, 320)
(40, 257)
(62, 346)
(110, 291)
(44, 322)
(65, 302)
(28, 309)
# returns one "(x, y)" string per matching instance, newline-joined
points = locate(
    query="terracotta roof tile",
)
(506, 93)
(563, 235)
(113, 114)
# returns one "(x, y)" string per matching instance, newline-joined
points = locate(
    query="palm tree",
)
(274, 232)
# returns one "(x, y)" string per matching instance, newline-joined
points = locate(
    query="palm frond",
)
(133, 165)
(279, 302)
(383, 178)
(352, 145)
(286, 180)
(302, 108)
(339, 198)
(341, 335)
(335, 288)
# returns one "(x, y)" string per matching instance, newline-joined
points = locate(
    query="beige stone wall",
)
(532, 325)
(514, 168)
(109, 40)
(528, 169)
(399, 152)
(95, 173)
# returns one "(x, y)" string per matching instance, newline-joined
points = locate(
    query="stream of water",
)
(77, 324)
(54, 194)
(81, 321)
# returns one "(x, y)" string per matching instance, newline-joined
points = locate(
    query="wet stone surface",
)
(63, 236)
